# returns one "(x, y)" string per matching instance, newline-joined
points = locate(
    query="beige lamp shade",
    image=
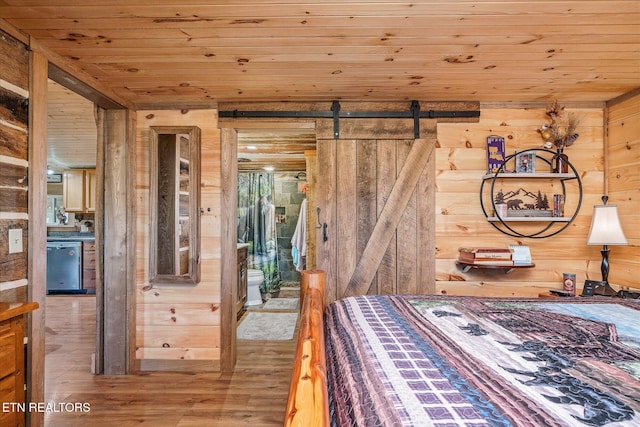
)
(605, 227)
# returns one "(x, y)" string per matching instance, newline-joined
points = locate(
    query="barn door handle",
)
(325, 234)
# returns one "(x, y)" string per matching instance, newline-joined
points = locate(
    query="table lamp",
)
(605, 230)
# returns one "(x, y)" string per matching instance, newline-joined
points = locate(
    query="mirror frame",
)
(193, 277)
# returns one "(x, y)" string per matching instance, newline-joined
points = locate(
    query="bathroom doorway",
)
(250, 146)
(272, 186)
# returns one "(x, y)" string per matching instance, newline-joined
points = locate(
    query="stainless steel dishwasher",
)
(64, 268)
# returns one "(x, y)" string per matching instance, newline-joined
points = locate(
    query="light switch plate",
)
(15, 240)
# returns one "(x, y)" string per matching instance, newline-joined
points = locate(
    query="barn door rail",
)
(336, 113)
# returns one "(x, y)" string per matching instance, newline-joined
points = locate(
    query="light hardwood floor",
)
(254, 395)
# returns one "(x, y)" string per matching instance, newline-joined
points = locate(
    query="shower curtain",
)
(257, 226)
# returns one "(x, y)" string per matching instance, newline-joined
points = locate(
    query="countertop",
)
(9, 310)
(71, 237)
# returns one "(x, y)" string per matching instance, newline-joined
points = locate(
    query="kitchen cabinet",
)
(79, 190)
(89, 266)
(73, 190)
(12, 364)
(90, 190)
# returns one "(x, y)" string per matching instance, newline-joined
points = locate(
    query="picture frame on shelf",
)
(495, 153)
(590, 287)
(525, 162)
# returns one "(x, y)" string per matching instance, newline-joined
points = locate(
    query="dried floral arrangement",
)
(561, 132)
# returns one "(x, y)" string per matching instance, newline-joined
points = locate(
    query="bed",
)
(450, 361)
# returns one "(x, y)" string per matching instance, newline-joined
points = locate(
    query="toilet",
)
(254, 279)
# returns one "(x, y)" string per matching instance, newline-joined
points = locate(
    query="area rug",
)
(289, 285)
(267, 326)
(281, 304)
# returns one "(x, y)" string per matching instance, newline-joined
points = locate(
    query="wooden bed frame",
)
(308, 403)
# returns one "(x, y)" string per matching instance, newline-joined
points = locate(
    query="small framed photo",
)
(495, 153)
(54, 177)
(590, 286)
(526, 162)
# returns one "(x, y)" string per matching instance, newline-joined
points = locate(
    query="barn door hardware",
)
(325, 234)
(415, 109)
(318, 213)
(335, 107)
(336, 114)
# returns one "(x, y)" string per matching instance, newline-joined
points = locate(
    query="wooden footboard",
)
(308, 404)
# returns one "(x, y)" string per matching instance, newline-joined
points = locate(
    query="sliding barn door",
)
(375, 222)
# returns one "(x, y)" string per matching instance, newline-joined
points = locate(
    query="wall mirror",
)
(174, 197)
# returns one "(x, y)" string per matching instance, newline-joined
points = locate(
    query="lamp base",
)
(604, 289)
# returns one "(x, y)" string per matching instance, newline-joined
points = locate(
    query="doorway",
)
(72, 153)
(280, 147)
(110, 188)
(272, 167)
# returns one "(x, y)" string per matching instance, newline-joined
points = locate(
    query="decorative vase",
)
(559, 162)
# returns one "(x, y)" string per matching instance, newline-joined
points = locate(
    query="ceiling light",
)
(251, 147)
(268, 168)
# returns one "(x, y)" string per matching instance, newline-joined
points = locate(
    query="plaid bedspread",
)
(459, 361)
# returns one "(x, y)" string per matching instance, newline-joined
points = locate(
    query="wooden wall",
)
(180, 322)
(623, 124)
(14, 163)
(460, 164)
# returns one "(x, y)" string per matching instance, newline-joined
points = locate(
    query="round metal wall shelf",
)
(550, 226)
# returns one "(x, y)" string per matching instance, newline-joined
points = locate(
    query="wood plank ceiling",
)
(71, 130)
(173, 53)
